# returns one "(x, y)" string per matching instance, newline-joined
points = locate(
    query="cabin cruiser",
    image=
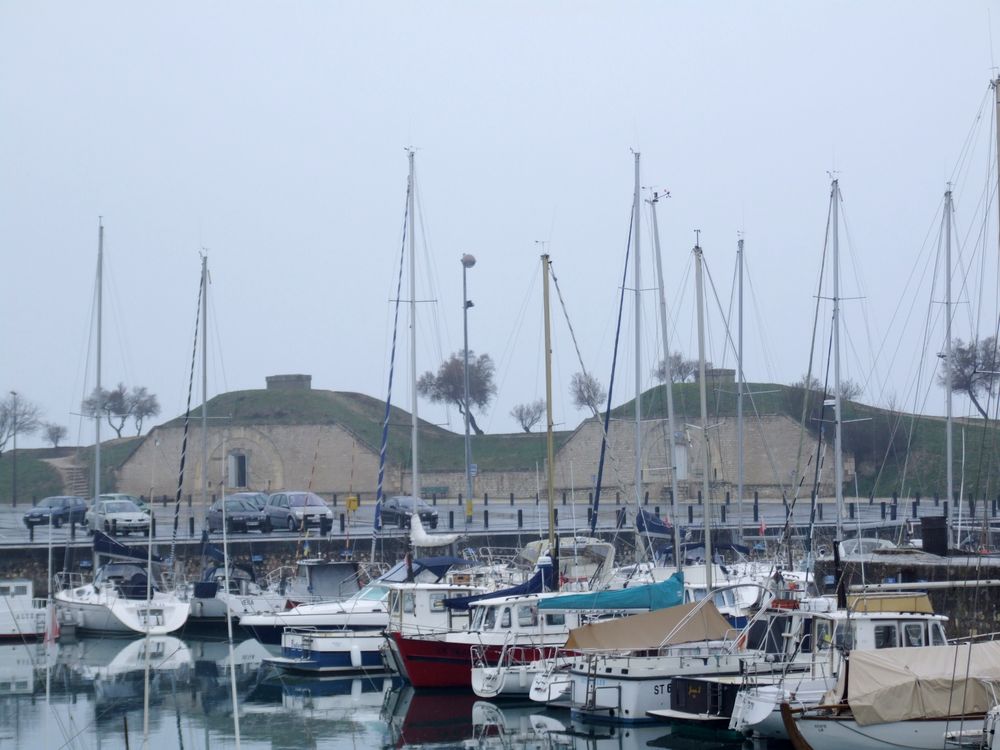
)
(22, 616)
(812, 647)
(365, 610)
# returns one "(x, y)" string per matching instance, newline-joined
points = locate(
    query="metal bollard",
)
(72, 530)
(555, 516)
(850, 510)
(152, 526)
(114, 527)
(590, 515)
(564, 497)
(191, 526)
(690, 514)
(31, 532)
(756, 509)
(342, 523)
(883, 509)
(486, 518)
(645, 500)
(727, 498)
(520, 518)
(512, 499)
(656, 510)
(451, 519)
(819, 509)
(892, 512)
(699, 497)
(486, 498)
(915, 502)
(618, 498)
(946, 509)
(722, 508)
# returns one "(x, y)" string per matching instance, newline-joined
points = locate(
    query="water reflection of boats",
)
(116, 669)
(361, 697)
(18, 663)
(428, 717)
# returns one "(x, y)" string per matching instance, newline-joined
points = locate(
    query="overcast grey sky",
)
(273, 134)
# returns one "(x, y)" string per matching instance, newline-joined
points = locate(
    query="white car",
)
(116, 517)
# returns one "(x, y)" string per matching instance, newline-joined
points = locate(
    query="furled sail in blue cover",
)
(650, 596)
(652, 525)
(541, 581)
(105, 545)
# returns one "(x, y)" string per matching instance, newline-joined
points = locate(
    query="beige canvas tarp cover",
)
(649, 630)
(897, 684)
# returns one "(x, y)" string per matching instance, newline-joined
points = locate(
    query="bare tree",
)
(808, 383)
(528, 415)
(18, 416)
(587, 391)
(144, 404)
(54, 433)
(681, 370)
(850, 390)
(448, 385)
(973, 370)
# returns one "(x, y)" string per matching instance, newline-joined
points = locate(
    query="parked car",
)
(57, 510)
(139, 502)
(256, 499)
(241, 515)
(398, 510)
(116, 516)
(297, 510)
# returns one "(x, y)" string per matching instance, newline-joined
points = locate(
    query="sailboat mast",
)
(413, 337)
(549, 451)
(703, 397)
(204, 380)
(671, 439)
(637, 224)
(949, 459)
(740, 385)
(100, 302)
(838, 445)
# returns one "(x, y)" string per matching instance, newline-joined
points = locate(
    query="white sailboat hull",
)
(104, 611)
(846, 734)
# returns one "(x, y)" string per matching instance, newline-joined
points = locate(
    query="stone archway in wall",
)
(246, 458)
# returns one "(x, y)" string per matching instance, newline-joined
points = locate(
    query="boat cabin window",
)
(913, 634)
(824, 635)
(409, 602)
(491, 619)
(885, 636)
(724, 598)
(477, 618)
(555, 618)
(844, 636)
(437, 602)
(527, 616)
(372, 593)
(505, 618)
(937, 634)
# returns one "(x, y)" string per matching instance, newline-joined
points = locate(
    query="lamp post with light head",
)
(468, 261)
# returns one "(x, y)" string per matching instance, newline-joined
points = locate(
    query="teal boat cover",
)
(650, 596)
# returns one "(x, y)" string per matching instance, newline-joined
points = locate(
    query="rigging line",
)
(506, 361)
(220, 360)
(863, 293)
(761, 338)
(379, 488)
(612, 455)
(749, 394)
(966, 148)
(187, 422)
(812, 347)
(611, 383)
(439, 321)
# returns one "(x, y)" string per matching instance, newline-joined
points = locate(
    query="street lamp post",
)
(468, 261)
(13, 453)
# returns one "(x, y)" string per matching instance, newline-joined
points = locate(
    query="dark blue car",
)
(57, 511)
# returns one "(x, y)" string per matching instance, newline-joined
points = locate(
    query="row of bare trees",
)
(119, 404)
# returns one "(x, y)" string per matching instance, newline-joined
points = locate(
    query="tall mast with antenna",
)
(637, 223)
(204, 379)
(671, 439)
(100, 301)
(739, 394)
(413, 338)
(838, 462)
(703, 397)
(949, 459)
(549, 449)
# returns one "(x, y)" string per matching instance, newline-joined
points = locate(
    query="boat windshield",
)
(117, 572)
(372, 593)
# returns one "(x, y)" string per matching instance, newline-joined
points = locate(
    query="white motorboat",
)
(22, 616)
(902, 697)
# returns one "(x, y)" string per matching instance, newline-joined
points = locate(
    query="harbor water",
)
(91, 692)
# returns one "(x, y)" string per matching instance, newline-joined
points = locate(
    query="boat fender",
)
(355, 655)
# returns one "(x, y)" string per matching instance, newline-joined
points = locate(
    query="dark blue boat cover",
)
(105, 545)
(652, 525)
(541, 581)
(650, 596)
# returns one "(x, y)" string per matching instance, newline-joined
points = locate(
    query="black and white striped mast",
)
(414, 420)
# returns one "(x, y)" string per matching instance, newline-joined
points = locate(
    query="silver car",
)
(116, 517)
